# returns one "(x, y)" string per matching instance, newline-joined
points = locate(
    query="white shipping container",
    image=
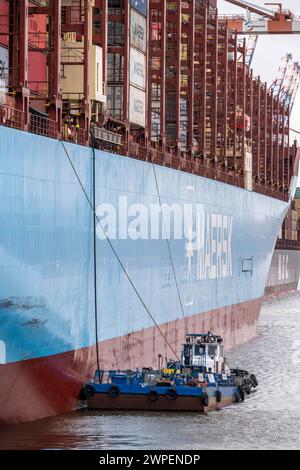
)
(4, 67)
(183, 124)
(137, 106)
(155, 123)
(248, 161)
(248, 170)
(137, 69)
(248, 180)
(96, 74)
(138, 31)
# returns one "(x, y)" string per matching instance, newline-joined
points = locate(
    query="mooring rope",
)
(170, 253)
(116, 254)
(95, 257)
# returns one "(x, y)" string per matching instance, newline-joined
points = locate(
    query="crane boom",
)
(290, 85)
(264, 22)
(251, 46)
(281, 21)
(294, 95)
(253, 8)
(281, 74)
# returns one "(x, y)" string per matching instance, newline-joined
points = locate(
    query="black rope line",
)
(116, 254)
(95, 257)
(170, 253)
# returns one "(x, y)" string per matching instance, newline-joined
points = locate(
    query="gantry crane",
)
(250, 48)
(287, 82)
(278, 82)
(265, 21)
(290, 85)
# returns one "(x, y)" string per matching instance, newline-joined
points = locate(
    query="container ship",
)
(110, 111)
(284, 274)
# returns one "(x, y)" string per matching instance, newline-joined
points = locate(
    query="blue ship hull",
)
(46, 261)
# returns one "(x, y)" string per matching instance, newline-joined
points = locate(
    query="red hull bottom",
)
(49, 386)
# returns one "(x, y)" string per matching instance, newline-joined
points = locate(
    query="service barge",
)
(200, 381)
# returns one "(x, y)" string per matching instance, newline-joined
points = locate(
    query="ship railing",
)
(185, 165)
(153, 155)
(287, 244)
(78, 136)
(174, 161)
(42, 126)
(11, 117)
(137, 151)
(270, 192)
(73, 133)
(133, 149)
(48, 128)
(156, 156)
(142, 153)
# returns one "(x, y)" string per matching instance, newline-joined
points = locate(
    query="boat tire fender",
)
(113, 391)
(171, 394)
(153, 395)
(242, 394)
(87, 391)
(218, 396)
(253, 380)
(205, 399)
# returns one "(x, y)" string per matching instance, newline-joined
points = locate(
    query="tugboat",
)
(200, 381)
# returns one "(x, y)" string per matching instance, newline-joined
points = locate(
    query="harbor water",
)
(268, 419)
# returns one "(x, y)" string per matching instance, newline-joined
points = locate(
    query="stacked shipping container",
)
(204, 102)
(127, 61)
(170, 75)
(4, 58)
